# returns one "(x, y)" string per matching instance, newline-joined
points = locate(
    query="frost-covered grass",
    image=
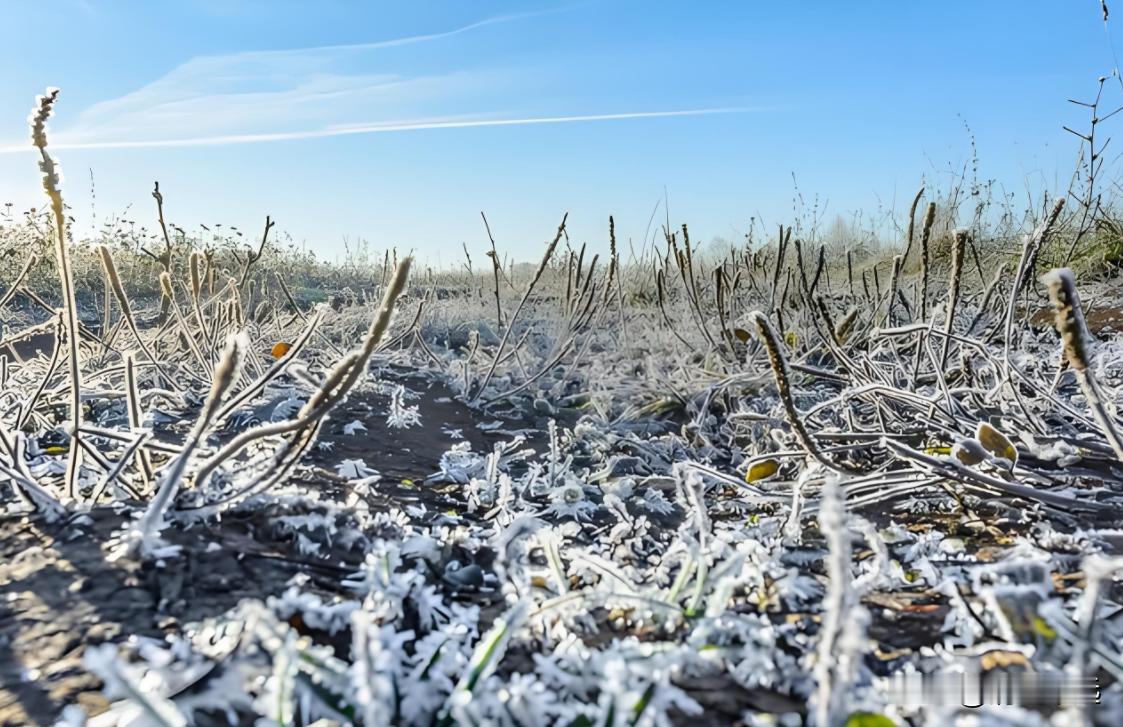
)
(752, 486)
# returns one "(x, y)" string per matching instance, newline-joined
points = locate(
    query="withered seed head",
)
(1069, 317)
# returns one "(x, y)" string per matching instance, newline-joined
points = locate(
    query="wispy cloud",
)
(409, 40)
(376, 128)
(338, 90)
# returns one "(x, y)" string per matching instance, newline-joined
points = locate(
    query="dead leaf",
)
(995, 442)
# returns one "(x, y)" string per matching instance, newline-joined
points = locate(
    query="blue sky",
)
(398, 122)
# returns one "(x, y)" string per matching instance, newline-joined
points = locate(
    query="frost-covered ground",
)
(766, 487)
(621, 522)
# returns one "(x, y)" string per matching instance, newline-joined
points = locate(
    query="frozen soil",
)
(60, 592)
(631, 506)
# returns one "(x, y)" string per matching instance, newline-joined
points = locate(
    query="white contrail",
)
(372, 129)
(409, 40)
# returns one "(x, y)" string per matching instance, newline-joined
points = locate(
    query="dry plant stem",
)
(164, 258)
(114, 330)
(1075, 338)
(133, 407)
(14, 444)
(613, 272)
(306, 427)
(495, 272)
(284, 460)
(106, 466)
(83, 331)
(977, 481)
(106, 316)
(850, 271)
(685, 264)
(194, 263)
(802, 272)
(1091, 158)
(954, 281)
(28, 491)
(832, 523)
(225, 375)
(531, 379)
(925, 237)
(981, 348)
(308, 416)
(987, 296)
(783, 383)
(912, 224)
(117, 435)
(196, 281)
(338, 382)
(893, 281)
(252, 257)
(26, 488)
(133, 449)
(302, 316)
(15, 286)
(583, 311)
(335, 389)
(781, 250)
(661, 299)
(413, 329)
(522, 303)
(220, 301)
(830, 340)
(723, 319)
(51, 185)
(688, 271)
(188, 335)
(110, 269)
(29, 406)
(578, 267)
(580, 318)
(820, 266)
(275, 370)
(208, 275)
(1030, 249)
